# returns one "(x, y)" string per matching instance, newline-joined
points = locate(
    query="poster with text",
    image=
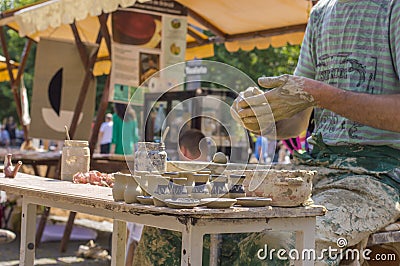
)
(146, 38)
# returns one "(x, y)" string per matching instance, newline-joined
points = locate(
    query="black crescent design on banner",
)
(54, 91)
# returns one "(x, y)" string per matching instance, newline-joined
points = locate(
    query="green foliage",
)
(257, 63)
(11, 4)
(15, 46)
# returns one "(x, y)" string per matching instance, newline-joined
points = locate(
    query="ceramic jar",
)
(200, 189)
(219, 186)
(75, 158)
(118, 190)
(151, 157)
(236, 189)
(132, 189)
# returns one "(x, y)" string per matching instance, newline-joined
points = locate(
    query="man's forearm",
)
(379, 111)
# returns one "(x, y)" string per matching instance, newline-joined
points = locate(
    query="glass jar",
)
(75, 158)
(151, 157)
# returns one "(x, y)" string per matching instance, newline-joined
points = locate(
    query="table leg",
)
(67, 231)
(305, 242)
(192, 246)
(42, 225)
(36, 169)
(215, 240)
(118, 243)
(28, 228)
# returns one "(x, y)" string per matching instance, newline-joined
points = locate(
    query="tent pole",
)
(88, 64)
(100, 116)
(104, 98)
(17, 81)
(6, 54)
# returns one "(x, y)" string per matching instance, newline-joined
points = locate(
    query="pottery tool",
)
(164, 135)
(67, 132)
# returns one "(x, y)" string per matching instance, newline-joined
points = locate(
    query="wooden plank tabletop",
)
(55, 155)
(101, 197)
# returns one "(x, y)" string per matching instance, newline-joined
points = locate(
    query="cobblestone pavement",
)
(48, 253)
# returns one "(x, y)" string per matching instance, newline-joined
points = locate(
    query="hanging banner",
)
(59, 74)
(146, 38)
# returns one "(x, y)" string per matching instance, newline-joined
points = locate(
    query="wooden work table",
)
(193, 223)
(106, 163)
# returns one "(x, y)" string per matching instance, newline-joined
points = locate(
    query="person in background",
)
(125, 129)
(261, 149)
(11, 127)
(192, 145)
(105, 134)
(19, 136)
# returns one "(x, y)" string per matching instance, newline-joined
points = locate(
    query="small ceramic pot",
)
(219, 186)
(143, 181)
(236, 189)
(132, 189)
(178, 189)
(200, 189)
(118, 189)
(152, 183)
(161, 193)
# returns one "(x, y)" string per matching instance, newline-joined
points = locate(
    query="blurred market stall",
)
(238, 24)
(88, 25)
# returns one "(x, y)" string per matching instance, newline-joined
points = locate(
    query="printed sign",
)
(59, 74)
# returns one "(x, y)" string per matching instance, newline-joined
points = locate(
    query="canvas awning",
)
(252, 23)
(239, 24)
(4, 75)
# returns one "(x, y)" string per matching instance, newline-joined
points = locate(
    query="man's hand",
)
(259, 117)
(259, 112)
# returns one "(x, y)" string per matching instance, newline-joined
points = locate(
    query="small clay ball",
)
(219, 157)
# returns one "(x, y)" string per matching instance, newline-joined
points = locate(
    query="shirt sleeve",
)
(307, 61)
(102, 127)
